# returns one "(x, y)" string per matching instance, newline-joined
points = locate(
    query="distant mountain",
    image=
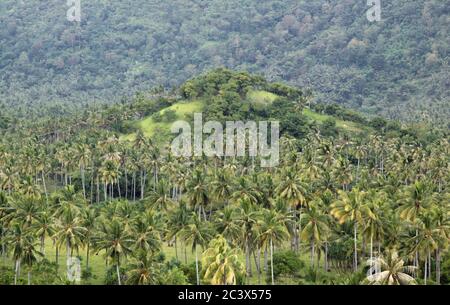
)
(397, 67)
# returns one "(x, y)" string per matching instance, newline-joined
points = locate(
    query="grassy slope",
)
(259, 98)
(340, 124)
(149, 127)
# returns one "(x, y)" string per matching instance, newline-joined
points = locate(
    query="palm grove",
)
(338, 204)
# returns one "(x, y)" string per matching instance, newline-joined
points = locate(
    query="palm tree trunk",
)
(371, 249)
(429, 263)
(29, 278)
(57, 257)
(87, 254)
(83, 181)
(266, 264)
(45, 187)
(196, 266)
(126, 183)
(355, 261)
(312, 254)
(118, 272)
(438, 266)
(16, 273)
(258, 264)
(326, 256)
(247, 257)
(134, 186)
(43, 245)
(425, 271)
(176, 249)
(271, 261)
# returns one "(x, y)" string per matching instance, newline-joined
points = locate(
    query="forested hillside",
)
(397, 67)
(349, 193)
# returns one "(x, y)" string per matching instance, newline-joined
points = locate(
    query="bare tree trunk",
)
(118, 273)
(196, 266)
(426, 269)
(438, 266)
(271, 261)
(45, 187)
(83, 181)
(355, 259)
(16, 273)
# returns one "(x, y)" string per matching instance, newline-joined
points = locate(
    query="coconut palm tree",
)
(29, 254)
(144, 270)
(246, 218)
(222, 263)
(272, 232)
(391, 270)
(351, 207)
(315, 228)
(116, 241)
(197, 234)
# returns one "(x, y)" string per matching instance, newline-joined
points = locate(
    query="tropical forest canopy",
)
(396, 68)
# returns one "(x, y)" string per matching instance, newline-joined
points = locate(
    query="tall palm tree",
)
(315, 229)
(351, 207)
(272, 232)
(144, 270)
(197, 233)
(116, 241)
(294, 190)
(247, 217)
(29, 254)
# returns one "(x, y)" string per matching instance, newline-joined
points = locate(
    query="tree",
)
(315, 229)
(391, 270)
(197, 234)
(144, 270)
(222, 263)
(350, 207)
(116, 241)
(272, 232)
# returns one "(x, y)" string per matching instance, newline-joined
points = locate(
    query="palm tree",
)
(69, 232)
(178, 220)
(247, 218)
(43, 228)
(315, 228)
(116, 241)
(197, 234)
(294, 190)
(350, 207)
(160, 198)
(17, 240)
(227, 224)
(144, 270)
(221, 262)
(89, 217)
(29, 254)
(146, 231)
(198, 192)
(272, 232)
(391, 270)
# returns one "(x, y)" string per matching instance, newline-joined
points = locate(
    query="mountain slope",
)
(397, 67)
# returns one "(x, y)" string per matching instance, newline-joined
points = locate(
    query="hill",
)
(397, 67)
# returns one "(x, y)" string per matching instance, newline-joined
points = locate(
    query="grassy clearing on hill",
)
(150, 128)
(341, 124)
(261, 97)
